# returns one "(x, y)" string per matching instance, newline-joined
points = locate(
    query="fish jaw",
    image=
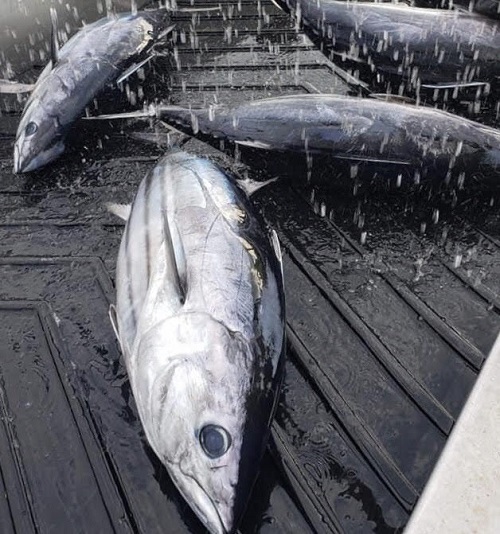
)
(217, 518)
(25, 161)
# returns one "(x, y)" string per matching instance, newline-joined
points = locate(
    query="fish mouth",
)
(216, 519)
(22, 164)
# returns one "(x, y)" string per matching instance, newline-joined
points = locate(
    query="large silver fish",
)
(389, 134)
(398, 47)
(200, 320)
(98, 54)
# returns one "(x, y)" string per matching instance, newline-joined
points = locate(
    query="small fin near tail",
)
(120, 210)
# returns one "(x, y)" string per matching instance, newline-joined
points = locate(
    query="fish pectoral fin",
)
(371, 159)
(165, 32)
(277, 5)
(54, 45)
(14, 88)
(161, 139)
(121, 116)
(120, 210)
(114, 320)
(398, 99)
(175, 257)
(253, 144)
(277, 249)
(196, 9)
(453, 85)
(149, 112)
(133, 68)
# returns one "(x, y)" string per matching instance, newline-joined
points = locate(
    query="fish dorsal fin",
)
(54, 45)
(175, 257)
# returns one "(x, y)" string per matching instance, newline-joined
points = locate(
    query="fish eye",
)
(214, 440)
(31, 128)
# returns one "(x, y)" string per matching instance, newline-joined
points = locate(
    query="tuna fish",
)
(98, 54)
(488, 8)
(405, 48)
(200, 320)
(392, 134)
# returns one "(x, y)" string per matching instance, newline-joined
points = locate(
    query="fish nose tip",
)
(229, 517)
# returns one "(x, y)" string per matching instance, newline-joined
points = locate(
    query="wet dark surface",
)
(392, 300)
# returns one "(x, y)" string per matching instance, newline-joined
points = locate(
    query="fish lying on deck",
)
(348, 128)
(200, 320)
(98, 54)
(406, 48)
(488, 8)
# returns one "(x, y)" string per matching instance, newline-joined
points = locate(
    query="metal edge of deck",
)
(462, 495)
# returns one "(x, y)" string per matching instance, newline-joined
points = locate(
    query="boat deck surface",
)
(393, 304)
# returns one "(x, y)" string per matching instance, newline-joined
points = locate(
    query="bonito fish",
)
(200, 320)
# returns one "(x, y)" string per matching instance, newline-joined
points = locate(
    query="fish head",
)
(209, 412)
(39, 139)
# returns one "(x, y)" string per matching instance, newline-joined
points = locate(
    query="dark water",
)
(392, 302)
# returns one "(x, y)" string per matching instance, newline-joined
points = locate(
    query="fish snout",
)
(17, 159)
